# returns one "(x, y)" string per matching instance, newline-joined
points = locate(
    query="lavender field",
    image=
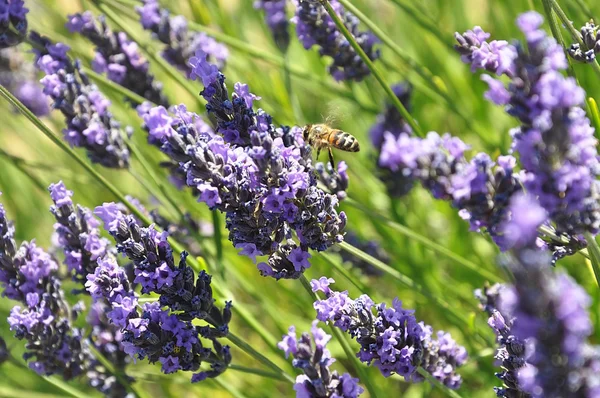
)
(302, 198)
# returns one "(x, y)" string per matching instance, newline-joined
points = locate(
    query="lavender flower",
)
(548, 312)
(336, 181)
(13, 22)
(496, 56)
(590, 36)
(28, 275)
(89, 123)
(315, 27)
(20, 78)
(277, 21)
(118, 57)
(181, 44)
(78, 233)
(259, 175)
(158, 334)
(391, 122)
(510, 353)
(391, 339)
(555, 141)
(480, 189)
(312, 356)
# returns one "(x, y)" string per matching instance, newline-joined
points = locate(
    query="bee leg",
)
(331, 158)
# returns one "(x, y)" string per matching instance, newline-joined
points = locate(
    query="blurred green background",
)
(423, 30)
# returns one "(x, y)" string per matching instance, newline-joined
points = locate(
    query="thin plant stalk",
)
(350, 354)
(120, 376)
(594, 251)
(376, 73)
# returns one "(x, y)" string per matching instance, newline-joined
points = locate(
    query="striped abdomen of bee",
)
(344, 141)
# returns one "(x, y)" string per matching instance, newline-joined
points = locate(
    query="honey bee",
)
(321, 136)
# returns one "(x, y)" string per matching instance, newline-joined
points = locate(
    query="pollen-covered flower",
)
(390, 337)
(277, 20)
(20, 78)
(89, 123)
(13, 22)
(259, 175)
(78, 233)
(180, 43)
(315, 27)
(118, 57)
(310, 353)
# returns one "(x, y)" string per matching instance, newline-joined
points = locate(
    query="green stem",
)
(119, 375)
(393, 99)
(574, 33)
(350, 354)
(345, 273)
(258, 372)
(594, 251)
(261, 358)
(218, 243)
(482, 272)
(228, 387)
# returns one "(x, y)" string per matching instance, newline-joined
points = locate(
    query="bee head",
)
(306, 131)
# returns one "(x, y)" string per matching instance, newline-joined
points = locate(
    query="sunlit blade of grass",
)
(341, 339)
(374, 70)
(258, 372)
(424, 20)
(575, 35)
(216, 219)
(55, 381)
(8, 392)
(22, 166)
(228, 387)
(585, 9)
(120, 376)
(177, 247)
(594, 251)
(258, 356)
(595, 114)
(484, 273)
(430, 79)
(186, 84)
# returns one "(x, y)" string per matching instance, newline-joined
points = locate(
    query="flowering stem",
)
(594, 251)
(340, 25)
(427, 242)
(406, 281)
(448, 392)
(169, 69)
(194, 263)
(258, 356)
(350, 354)
(574, 33)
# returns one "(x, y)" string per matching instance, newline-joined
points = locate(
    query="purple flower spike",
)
(118, 57)
(391, 339)
(277, 20)
(312, 356)
(20, 78)
(13, 22)
(260, 175)
(315, 27)
(89, 124)
(180, 43)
